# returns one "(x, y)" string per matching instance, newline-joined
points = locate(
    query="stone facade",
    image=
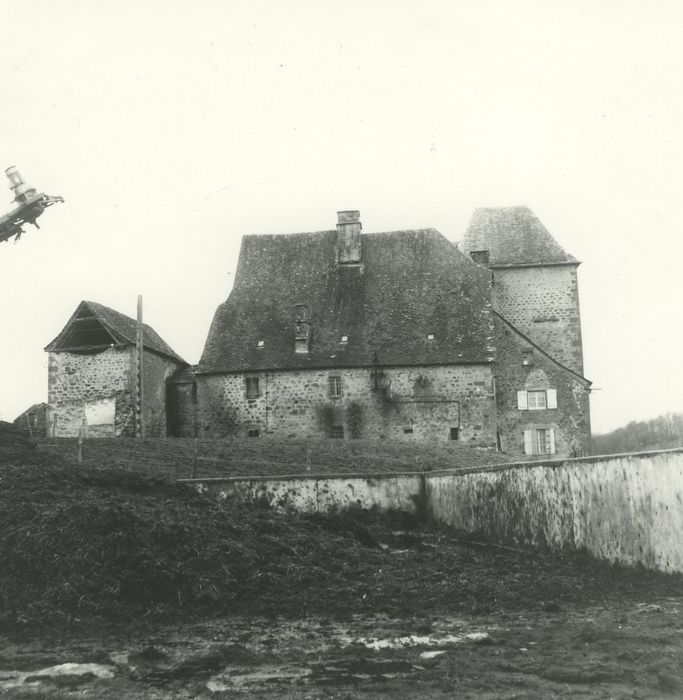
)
(419, 403)
(543, 303)
(520, 367)
(181, 403)
(99, 383)
(156, 371)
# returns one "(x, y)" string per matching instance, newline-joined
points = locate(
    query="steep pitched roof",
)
(96, 325)
(411, 284)
(513, 236)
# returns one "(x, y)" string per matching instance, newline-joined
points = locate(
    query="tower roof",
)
(513, 236)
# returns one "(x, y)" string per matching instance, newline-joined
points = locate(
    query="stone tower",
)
(534, 280)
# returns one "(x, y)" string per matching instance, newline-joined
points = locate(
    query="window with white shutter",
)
(536, 399)
(539, 441)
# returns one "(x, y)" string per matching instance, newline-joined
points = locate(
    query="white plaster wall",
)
(626, 508)
(322, 494)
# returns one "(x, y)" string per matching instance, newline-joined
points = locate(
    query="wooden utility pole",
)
(139, 389)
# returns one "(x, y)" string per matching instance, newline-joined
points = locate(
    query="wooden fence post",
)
(194, 457)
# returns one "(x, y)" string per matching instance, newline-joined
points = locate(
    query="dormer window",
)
(430, 336)
(480, 257)
(302, 329)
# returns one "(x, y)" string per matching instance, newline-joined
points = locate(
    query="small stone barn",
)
(91, 370)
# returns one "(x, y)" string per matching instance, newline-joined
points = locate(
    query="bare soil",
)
(618, 649)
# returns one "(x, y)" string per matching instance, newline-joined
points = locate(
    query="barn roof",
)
(512, 236)
(95, 326)
(411, 285)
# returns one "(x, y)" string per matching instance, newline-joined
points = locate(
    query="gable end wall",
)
(77, 378)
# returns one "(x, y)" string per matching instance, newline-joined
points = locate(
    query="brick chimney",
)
(348, 237)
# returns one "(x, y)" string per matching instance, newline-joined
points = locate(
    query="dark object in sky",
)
(31, 204)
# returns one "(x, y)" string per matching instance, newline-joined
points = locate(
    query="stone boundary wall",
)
(626, 508)
(321, 493)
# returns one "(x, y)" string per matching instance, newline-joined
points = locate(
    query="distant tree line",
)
(656, 434)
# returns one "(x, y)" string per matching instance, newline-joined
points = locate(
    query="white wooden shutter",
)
(521, 401)
(551, 441)
(528, 442)
(551, 398)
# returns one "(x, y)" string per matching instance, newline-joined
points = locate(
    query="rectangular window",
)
(408, 430)
(253, 432)
(527, 357)
(454, 433)
(335, 387)
(537, 399)
(252, 387)
(337, 432)
(539, 441)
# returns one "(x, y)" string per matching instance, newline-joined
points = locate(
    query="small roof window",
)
(260, 344)
(480, 256)
(430, 336)
(344, 339)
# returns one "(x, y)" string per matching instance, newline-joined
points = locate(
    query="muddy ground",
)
(624, 649)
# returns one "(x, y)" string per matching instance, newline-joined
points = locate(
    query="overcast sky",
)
(172, 128)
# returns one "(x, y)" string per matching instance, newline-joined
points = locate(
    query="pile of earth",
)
(87, 545)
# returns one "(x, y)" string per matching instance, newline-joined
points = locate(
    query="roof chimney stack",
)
(348, 237)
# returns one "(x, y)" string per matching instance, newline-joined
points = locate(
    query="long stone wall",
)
(322, 494)
(415, 404)
(626, 508)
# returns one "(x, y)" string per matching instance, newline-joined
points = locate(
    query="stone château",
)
(398, 336)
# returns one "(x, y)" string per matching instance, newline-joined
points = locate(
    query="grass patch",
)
(83, 544)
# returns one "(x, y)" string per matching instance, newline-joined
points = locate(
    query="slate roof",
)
(411, 284)
(122, 328)
(513, 236)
